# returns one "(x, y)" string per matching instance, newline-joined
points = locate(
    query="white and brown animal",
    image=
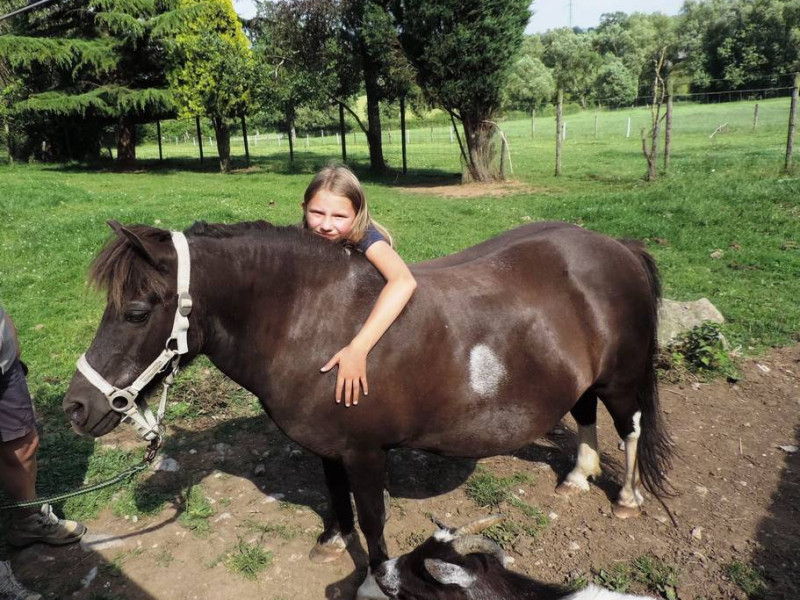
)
(459, 564)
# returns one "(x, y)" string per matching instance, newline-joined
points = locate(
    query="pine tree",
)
(87, 64)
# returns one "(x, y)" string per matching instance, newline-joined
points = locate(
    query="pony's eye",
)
(137, 316)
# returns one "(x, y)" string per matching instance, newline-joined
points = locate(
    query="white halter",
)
(124, 400)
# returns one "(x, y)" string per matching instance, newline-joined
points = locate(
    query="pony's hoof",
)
(328, 552)
(568, 488)
(626, 512)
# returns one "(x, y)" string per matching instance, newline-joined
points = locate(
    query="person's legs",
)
(18, 468)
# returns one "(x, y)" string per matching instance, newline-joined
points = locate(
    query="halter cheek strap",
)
(126, 400)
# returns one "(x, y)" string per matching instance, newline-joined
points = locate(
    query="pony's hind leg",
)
(624, 409)
(587, 463)
(332, 543)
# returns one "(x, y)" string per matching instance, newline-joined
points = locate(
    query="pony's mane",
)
(120, 269)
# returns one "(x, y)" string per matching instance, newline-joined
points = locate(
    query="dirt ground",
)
(739, 502)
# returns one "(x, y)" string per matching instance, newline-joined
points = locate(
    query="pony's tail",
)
(656, 448)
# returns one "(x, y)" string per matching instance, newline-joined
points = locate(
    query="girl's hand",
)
(352, 373)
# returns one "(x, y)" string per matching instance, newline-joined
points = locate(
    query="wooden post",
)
(158, 132)
(533, 123)
(403, 132)
(559, 125)
(755, 117)
(199, 138)
(628, 132)
(291, 141)
(792, 120)
(503, 150)
(246, 142)
(595, 127)
(342, 131)
(668, 126)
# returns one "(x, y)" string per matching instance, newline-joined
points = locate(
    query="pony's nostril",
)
(76, 415)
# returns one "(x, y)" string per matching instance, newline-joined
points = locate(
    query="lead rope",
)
(149, 456)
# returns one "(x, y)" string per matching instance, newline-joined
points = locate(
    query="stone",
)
(697, 533)
(170, 465)
(260, 469)
(676, 318)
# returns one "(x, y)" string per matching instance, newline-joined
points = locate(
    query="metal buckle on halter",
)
(184, 303)
(128, 397)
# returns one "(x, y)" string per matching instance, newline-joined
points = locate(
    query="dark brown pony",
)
(499, 342)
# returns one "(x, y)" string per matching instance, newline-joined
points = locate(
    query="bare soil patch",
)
(474, 190)
(739, 493)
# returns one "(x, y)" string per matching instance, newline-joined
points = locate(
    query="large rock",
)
(676, 317)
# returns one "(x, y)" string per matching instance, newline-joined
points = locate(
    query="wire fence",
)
(435, 146)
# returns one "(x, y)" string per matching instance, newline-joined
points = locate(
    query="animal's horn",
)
(469, 544)
(438, 523)
(479, 525)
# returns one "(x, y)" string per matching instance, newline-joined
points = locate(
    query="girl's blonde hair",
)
(338, 179)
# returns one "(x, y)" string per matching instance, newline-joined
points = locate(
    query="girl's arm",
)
(352, 359)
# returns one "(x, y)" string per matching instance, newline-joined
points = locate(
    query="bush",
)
(702, 351)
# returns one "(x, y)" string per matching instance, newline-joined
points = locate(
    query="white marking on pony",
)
(486, 371)
(391, 578)
(595, 593)
(637, 428)
(588, 460)
(369, 589)
(443, 535)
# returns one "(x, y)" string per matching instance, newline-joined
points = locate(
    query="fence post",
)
(403, 132)
(595, 127)
(246, 142)
(559, 104)
(158, 132)
(199, 137)
(755, 117)
(533, 123)
(628, 132)
(792, 118)
(668, 125)
(342, 132)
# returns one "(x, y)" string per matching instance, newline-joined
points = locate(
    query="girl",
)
(334, 206)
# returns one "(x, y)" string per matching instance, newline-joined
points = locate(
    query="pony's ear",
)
(449, 574)
(134, 241)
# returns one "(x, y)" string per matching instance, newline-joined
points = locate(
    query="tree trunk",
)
(559, 129)
(787, 167)
(9, 143)
(342, 132)
(290, 124)
(476, 134)
(376, 161)
(126, 141)
(222, 130)
(668, 127)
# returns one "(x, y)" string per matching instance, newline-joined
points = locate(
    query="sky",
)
(550, 14)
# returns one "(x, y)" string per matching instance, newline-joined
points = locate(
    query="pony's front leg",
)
(587, 463)
(367, 474)
(332, 543)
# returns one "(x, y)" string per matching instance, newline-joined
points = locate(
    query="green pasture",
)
(724, 192)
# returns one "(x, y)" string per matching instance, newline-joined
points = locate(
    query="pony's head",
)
(138, 268)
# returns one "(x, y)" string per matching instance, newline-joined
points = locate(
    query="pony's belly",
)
(501, 430)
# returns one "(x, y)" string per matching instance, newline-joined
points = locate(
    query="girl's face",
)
(330, 215)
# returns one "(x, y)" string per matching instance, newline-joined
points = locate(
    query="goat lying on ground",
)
(458, 564)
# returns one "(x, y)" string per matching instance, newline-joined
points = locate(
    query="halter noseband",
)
(125, 401)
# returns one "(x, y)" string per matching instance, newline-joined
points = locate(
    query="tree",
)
(82, 66)
(463, 51)
(573, 62)
(212, 68)
(615, 85)
(371, 34)
(300, 58)
(530, 82)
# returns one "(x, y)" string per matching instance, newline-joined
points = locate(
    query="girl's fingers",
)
(339, 386)
(348, 387)
(364, 385)
(356, 390)
(329, 365)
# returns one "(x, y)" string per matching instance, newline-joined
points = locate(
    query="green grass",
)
(657, 576)
(196, 512)
(248, 560)
(749, 579)
(723, 193)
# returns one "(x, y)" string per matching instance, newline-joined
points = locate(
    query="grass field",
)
(724, 192)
